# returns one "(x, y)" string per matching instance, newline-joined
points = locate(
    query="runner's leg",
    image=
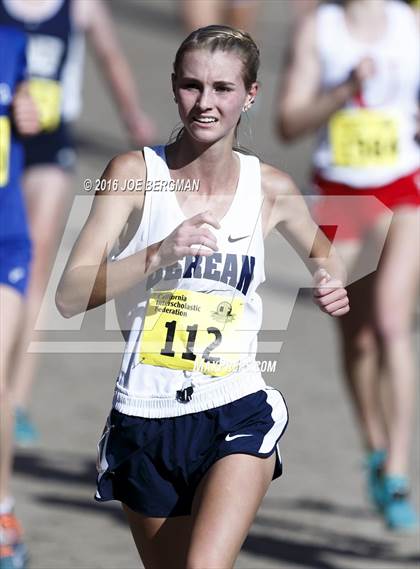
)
(360, 353)
(162, 543)
(224, 508)
(199, 13)
(243, 14)
(48, 193)
(395, 297)
(10, 318)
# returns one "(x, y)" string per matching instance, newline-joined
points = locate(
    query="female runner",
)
(56, 30)
(190, 445)
(18, 118)
(354, 78)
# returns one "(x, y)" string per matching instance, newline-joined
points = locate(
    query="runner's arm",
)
(302, 107)
(89, 280)
(285, 209)
(94, 18)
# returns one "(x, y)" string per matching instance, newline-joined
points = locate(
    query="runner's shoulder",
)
(127, 166)
(276, 184)
(125, 175)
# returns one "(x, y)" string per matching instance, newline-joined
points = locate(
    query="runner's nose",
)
(205, 100)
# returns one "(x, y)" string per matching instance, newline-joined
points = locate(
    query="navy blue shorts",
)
(15, 256)
(51, 148)
(154, 466)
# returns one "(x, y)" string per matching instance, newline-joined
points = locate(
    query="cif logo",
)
(223, 312)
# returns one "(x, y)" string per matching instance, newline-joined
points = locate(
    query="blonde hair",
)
(224, 38)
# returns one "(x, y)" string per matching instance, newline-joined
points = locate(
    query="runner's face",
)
(211, 94)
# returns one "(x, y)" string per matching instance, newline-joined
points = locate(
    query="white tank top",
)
(371, 141)
(71, 105)
(193, 325)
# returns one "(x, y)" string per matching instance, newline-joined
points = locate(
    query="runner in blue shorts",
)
(57, 30)
(17, 113)
(190, 446)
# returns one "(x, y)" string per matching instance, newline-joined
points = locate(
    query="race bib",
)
(47, 96)
(189, 330)
(4, 150)
(364, 138)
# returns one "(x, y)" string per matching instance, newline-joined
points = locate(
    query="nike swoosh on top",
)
(234, 239)
(231, 438)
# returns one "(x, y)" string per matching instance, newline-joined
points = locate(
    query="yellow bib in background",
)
(4, 150)
(364, 138)
(47, 96)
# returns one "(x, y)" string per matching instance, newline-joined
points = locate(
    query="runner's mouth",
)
(205, 120)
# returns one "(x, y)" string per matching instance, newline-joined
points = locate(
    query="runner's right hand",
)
(363, 71)
(329, 294)
(191, 237)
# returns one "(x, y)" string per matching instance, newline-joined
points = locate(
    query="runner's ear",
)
(173, 80)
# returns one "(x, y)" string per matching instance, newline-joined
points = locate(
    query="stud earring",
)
(248, 106)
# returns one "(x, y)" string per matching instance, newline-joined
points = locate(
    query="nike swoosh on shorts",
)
(231, 438)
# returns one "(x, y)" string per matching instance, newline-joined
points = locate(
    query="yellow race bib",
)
(364, 138)
(47, 96)
(4, 150)
(189, 330)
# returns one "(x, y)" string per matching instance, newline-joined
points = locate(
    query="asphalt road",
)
(316, 515)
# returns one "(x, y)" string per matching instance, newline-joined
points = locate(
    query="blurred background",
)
(316, 515)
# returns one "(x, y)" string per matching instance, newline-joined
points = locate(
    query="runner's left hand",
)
(25, 112)
(329, 294)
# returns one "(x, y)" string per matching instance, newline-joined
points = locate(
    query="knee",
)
(391, 328)
(361, 342)
(392, 322)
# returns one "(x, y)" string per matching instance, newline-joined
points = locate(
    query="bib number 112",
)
(189, 355)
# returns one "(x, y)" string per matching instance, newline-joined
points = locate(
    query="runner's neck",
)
(217, 168)
(366, 20)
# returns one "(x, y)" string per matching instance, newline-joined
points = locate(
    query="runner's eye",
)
(223, 88)
(190, 86)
